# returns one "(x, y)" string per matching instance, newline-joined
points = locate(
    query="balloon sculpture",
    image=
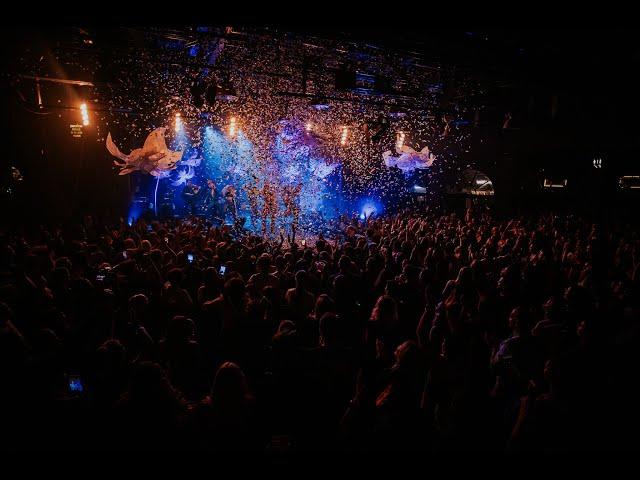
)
(153, 158)
(408, 159)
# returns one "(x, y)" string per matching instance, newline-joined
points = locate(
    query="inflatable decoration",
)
(408, 159)
(153, 158)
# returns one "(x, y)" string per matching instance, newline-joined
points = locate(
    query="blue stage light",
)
(369, 207)
(135, 211)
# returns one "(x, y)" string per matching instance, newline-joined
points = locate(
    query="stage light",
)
(369, 208)
(85, 114)
(597, 162)
(308, 127)
(399, 140)
(343, 137)
(232, 127)
(178, 122)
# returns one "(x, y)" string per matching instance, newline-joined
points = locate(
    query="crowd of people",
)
(416, 331)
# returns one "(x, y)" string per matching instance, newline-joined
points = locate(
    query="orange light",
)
(343, 137)
(232, 127)
(85, 114)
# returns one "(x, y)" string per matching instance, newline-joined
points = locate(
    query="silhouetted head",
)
(234, 290)
(230, 386)
(385, 311)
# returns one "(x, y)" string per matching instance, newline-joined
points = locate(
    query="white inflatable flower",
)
(153, 158)
(183, 176)
(408, 160)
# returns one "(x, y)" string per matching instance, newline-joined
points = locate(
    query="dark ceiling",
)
(588, 76)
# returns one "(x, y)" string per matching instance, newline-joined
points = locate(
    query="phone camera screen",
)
(75, 384)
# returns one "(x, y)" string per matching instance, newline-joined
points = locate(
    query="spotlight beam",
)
(79, 83)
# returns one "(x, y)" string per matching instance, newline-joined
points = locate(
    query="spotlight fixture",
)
(178, 122)
(400, 140)
(232, 127)
(85, 114)
(343, 136)
(597, 162)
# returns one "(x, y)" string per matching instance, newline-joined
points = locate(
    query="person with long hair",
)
(190, 195)
(383, 333)
(224, 419)
(269, 208)
(229, 194)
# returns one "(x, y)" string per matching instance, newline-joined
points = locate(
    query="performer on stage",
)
(252, 194)
(229, 195)
(190, 195)
(290, 198)
(269, 208)
(211, 200)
